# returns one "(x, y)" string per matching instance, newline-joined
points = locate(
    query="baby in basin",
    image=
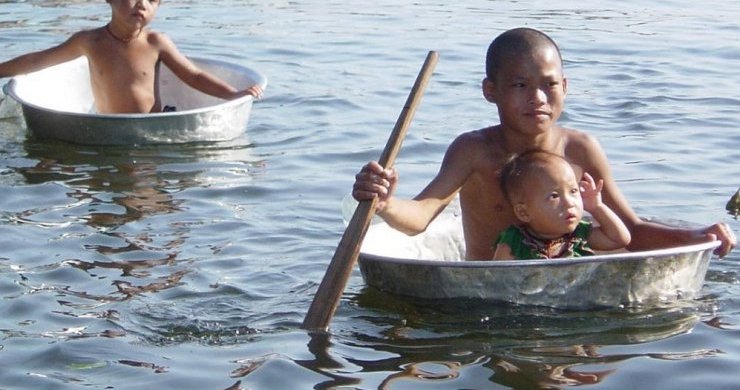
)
(549, 201)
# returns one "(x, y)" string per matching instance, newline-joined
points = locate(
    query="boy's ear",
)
(489, 90)
(565, 85)
(520, 210)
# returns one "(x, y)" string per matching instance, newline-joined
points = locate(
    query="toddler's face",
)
(553, 200)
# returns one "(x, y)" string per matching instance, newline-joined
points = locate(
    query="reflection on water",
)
(558, 367)
(135, 186)
(529, 347)
(109, 190)
(421, 343)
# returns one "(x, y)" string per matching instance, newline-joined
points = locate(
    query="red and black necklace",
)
(122, 40)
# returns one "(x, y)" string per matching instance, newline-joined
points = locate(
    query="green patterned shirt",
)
(525, 245)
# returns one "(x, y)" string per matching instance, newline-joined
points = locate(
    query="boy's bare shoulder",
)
(87, 36)
(83, 42)
(583, 148)
(577, 135)
(476, 139)
(476, 147)
(157, 38)
(579, 140)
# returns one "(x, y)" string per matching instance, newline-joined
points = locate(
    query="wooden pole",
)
(335, 279)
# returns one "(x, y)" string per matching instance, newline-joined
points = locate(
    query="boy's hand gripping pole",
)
(335, 279)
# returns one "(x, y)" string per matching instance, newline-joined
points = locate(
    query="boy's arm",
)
(197, 78)
(31, 62)
(412, 216)
(650, 235)
(611, 233)
(644, 234)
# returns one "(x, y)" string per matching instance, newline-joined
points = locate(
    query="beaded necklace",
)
(122, 40)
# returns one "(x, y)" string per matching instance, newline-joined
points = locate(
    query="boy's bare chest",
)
(486, 212)
(483, 193)
(126, 67)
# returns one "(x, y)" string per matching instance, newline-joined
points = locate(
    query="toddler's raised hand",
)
(591, 192)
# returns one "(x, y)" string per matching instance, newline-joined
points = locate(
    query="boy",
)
(549, 201)
(124, 58)
(524, 78)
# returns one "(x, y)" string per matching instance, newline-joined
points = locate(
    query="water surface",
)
(192, 266)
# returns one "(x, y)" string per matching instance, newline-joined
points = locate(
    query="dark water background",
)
(192, 266)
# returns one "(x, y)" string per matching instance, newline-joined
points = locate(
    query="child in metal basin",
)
(124, 58)
(549, 201)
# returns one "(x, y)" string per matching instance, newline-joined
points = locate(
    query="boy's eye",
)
(554, 195)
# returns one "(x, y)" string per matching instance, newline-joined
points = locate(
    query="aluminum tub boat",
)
(57, 103)
(429, 266)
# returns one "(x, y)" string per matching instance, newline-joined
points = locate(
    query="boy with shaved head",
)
(525, 80)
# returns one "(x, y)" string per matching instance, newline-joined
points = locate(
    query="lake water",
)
(192, 266)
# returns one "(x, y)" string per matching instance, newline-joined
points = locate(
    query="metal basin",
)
(629, 278)
(57, 103)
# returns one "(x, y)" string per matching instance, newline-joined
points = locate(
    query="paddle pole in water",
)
(330, 290)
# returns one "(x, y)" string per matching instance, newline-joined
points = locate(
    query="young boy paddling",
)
(124, 58)
(524, 78)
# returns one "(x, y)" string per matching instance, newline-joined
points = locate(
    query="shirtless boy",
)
(124, 58)
(524, 78)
